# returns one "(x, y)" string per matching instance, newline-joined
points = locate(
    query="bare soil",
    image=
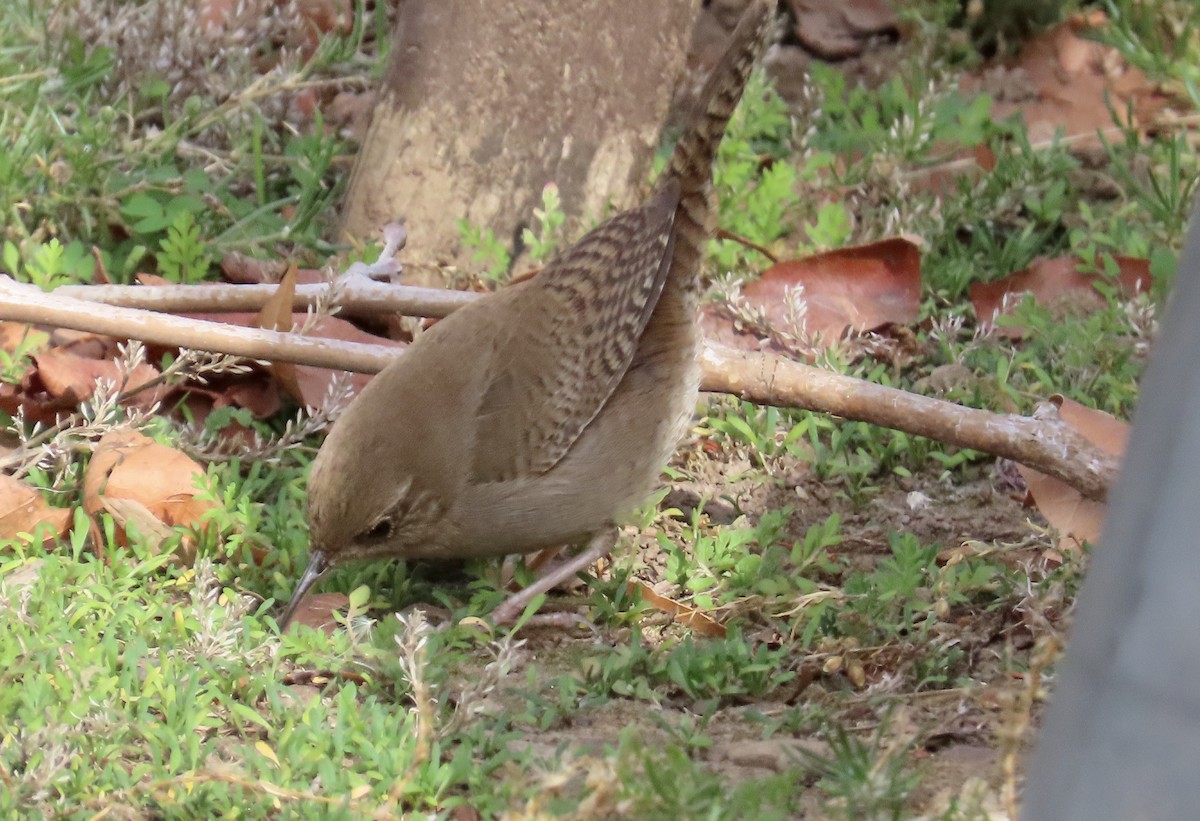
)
(968, 743)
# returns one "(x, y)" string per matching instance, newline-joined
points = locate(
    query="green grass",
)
(101, 151)
(134, 685)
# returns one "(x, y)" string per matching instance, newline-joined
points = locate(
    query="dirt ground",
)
(967, 744)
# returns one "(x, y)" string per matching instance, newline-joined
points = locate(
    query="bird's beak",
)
(317, 565)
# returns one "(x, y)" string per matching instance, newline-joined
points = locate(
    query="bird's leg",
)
(534, 564)
(599, 546)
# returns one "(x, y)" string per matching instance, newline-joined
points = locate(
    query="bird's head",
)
(362, 507)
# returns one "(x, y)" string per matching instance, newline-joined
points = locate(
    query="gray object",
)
(1121, 738)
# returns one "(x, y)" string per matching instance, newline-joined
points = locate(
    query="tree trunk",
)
(484, 104)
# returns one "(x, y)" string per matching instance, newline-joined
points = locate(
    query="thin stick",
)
(754, 246)
(26, 303)
(358, 296)
(1043, 442)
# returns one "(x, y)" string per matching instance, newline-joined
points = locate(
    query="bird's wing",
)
(573, 339)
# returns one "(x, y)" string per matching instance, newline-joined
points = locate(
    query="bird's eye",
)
(380, 530)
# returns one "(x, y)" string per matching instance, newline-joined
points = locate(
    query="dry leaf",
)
(23, 510)
(212, 15)
(128, 465)
(84, 343)
(276, 315)
(131, 512)
(71, 379)
(1076, 518)
(864, 287)
(465, 812)
(14, 334)
(249, 271)
(689, 616)
(316, 610)
(350, 112)
(1069, 81)
(1057, 284)
(312, 383)
(836, 29)
(16, 580)
(259, 396)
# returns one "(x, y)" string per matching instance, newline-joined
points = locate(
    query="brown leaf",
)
(1068, 81)
(350, 112)
(864, 288)
(212, 15)
(686, 615)
(465, 812)
(249, 271)
(258, 396)
(835, 29)
(276, 315)
(14, 334)
(1101, 429)
(200, 403)
(72, 379)
(99, 272)
(985, 158)
(23, 510)
(313, 382)
(83, 343)
(1056, 283)
(316, 610)
(324, 16)
(1076, 518)
(130, 512)
(304, 104)
(127, 465)
(254, 392)
(26, 574)
(37, 407)
(153, 279)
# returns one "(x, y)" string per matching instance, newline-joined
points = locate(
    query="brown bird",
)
(538, 415)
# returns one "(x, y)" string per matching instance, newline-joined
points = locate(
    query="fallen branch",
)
(356, 295)
(26, 303)
(1043, 442)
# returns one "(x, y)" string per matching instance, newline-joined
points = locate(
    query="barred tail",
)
(691, 164)
(692, 161)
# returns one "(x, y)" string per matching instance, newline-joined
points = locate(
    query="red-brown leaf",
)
(71, 379)
(316, 610)
(1069, 81)
(863, 288)
(312, 382)
(685, 614)
(23, 510)
(835, 29)
(1057, 284)
(128, 465)
(276, 315)
(1076, 518)
(14, 334)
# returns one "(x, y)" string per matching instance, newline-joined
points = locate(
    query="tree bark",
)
(484, 104)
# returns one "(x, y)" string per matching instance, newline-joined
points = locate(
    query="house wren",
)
(538, 415)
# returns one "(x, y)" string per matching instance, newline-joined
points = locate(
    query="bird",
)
(539, 415)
